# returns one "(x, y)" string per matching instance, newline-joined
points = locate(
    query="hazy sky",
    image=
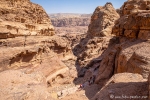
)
(75, 6)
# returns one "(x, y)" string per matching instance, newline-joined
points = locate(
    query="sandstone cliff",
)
(21, 17)
(133, 25)
(68, 23)
(65, 22)
(68, 15)
(116, 54)
(134, 21)
(123, 48)
(36, 63)
(113, 56)
(102, 21)
(95, 43)
(33, 62)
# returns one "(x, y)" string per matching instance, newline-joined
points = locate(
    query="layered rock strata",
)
(127, 51)
(102, 21)
(118, 60)
(32, 60)
(68, 22)
(133, 25)
(39, 56)
(122, 53)
(134, 21)
(19, 18)
(94, 44)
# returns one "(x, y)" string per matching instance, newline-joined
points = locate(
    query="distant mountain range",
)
(70, 19)
(68, 15)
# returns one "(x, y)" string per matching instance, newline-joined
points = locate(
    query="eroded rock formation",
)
(15, 84)
(21, 17)
(113, 55)
(65, 22)
(102, 21)
(39, 56)
(124, 86)
(74, 38)
(133, 25)
(68, 23)
(123, 54)
(33, 61)
(94, 44)
(127, 51)
(134, 21)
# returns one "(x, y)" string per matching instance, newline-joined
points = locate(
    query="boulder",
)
(124, 86)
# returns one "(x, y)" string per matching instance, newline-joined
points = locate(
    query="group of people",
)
(88, 82)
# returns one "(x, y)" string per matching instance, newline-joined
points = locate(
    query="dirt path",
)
(78, 95)
(71, 92)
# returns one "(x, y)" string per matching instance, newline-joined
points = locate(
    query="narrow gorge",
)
(103, 56)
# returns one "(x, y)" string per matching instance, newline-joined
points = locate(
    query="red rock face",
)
(133, 6)
(32, 61)
(134, 24)
(98, 38)
(114, 53)
(102, 21)
(131, 52)
(71, 21)
(134, 21)
(19, 17)
(125, 52)
(124, 86)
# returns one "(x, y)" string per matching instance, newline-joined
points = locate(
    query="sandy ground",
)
(85, 94)
(79, 95)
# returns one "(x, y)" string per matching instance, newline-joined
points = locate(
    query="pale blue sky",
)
(75, 6)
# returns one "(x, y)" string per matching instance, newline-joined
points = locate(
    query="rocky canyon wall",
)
(32, 58)
(70, 23)
(19, 18)
(134, 21)
(119, 53)
(133, 25)
(95, 43)
(66, 20)
(124, 55)
(102, 21)
(115, 48)
(36, 64)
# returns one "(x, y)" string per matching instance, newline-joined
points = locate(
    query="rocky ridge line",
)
(32, 57)
(19, 18)
(124, 55)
